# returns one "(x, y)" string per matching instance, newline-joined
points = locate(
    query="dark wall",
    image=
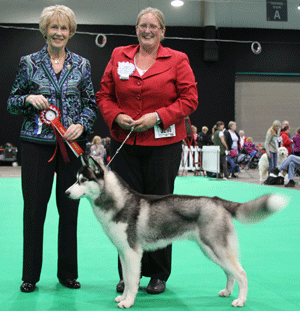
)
(280, 50)
(216, 80)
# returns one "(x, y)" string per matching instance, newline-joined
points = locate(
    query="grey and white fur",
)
(135, 222)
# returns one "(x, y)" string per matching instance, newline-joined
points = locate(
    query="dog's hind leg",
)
(131, 266)
(229, 286)
(233, 269)
(227, 259)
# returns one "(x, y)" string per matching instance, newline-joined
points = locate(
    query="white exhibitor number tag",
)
(169, 132)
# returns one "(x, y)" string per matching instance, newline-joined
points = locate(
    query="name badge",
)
(169, 132)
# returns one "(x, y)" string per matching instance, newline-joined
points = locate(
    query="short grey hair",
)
(285, 123)
(57, 10)
(231, 123)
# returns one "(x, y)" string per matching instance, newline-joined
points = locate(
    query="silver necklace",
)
(56, 61)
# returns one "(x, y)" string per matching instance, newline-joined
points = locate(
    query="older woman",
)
(97, 150)
(232, 140)
(152, 89)
(219, 140)
(243, 139)
(53, 76)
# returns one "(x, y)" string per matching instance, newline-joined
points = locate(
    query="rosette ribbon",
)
(51, 116)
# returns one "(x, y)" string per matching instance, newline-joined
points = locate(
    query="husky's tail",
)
(260, 208)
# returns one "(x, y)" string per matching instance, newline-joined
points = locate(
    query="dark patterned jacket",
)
(73, 94)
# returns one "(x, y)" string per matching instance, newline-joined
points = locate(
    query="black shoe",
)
(275, 171)
(234, 176)
(74, 284)
(120, 287)
(28, 287)
(156, 286)
(291, 183)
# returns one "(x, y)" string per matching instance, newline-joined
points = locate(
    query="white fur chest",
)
(116, 232)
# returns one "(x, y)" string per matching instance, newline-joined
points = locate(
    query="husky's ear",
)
(96, 167)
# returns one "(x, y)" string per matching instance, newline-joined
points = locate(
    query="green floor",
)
(270, 254)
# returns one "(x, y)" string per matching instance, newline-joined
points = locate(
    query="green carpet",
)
(270, 254)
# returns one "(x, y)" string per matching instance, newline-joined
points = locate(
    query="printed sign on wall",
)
(277, 11)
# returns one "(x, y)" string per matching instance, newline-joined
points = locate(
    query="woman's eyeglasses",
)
(150, 26)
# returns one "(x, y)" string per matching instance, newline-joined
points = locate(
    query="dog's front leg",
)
(123, 297)
(131, 266)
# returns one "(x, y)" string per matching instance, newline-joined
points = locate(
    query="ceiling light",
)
(177, 3)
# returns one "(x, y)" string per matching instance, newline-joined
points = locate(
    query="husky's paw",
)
(238, 302)
(120, 298)
(126, 304)
(224, 293)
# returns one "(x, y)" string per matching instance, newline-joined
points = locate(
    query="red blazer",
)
(167, 87)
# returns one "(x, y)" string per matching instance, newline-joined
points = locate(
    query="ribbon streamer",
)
(51, 117)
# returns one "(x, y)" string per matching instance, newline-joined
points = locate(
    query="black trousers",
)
(149, 170)
(37, 182)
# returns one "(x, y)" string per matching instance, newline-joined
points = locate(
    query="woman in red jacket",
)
(286, 141)
(151, 88)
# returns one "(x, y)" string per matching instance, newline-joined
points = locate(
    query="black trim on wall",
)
(216, 80)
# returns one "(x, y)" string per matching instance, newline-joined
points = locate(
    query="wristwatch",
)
(158, 119)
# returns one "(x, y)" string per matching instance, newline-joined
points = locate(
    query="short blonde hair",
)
(231, 123)
(95, 139)
(249, 140)
(54, 11)
(157, 13)
(204, 128)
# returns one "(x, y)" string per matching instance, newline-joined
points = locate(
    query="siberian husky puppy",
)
(135, 222)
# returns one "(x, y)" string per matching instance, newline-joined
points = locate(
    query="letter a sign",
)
(277, 11)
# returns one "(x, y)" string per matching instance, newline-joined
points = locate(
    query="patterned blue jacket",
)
(73, 94)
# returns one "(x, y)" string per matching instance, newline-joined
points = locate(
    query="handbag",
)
(233, 153)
